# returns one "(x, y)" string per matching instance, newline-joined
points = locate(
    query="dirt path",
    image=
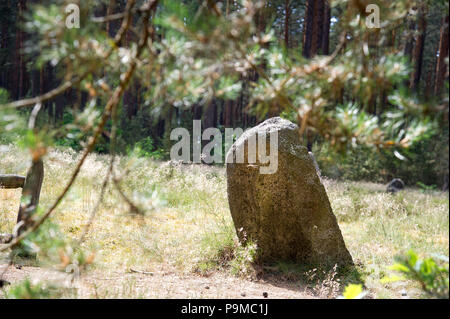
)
(160, 284)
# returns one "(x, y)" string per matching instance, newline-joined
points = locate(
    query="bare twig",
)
(117, 16)
(33, 116)
(97, 205)
(141, 272)
(47, 96)
(133, 208)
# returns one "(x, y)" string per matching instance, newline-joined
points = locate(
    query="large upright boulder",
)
(286, 213)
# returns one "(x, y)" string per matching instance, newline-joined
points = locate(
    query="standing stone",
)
(286, 213)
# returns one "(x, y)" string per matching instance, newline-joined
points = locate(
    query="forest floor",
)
(183, 245)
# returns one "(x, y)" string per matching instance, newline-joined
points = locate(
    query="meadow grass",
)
(186, 225)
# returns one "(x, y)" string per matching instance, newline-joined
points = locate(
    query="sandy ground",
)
(159, 284)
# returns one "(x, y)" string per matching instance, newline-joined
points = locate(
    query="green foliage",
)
(146, 148)
(51, 246)
(359, 163)
(244, 257)
(200, 54)
(47, 239)
(426, 187)
(425, 162)
(223, 250)
(72, 135)
(12, 123)
(4, 96)
(28, 290)
(431, 273)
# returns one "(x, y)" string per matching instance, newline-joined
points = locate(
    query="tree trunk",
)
(409, 42)
(441, 67)
(417, 57)
(30, 195)
(210, 115)
(286, 22)
(17, 75)
(48, 79)
(307, 28)
(109, 11)
(316, 28)
(261, 18)
(326, 29)
(4, 45)
(227, 113)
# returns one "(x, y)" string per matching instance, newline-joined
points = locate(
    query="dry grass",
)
(377, 226)
(187, 226)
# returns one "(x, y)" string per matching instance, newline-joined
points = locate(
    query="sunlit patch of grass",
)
(384, 225)
(193, 231)
(222, 251)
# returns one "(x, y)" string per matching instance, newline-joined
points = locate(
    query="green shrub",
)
(431, 273)
(224, 250)
(426, 163)
(146, 148)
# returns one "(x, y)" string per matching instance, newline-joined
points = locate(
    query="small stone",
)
(243, 294)
(395, 185)
(206, 287)
(265, 294)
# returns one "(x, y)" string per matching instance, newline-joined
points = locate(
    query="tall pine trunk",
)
(286, 22)
(441, 67)
(325, 46)
(409, 43)
(419, 44)
(308, 28)
(316, 28)
(20, 70)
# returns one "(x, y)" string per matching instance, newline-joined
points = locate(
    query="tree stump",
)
(30, 195)
(31, 190)
(11, 181)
